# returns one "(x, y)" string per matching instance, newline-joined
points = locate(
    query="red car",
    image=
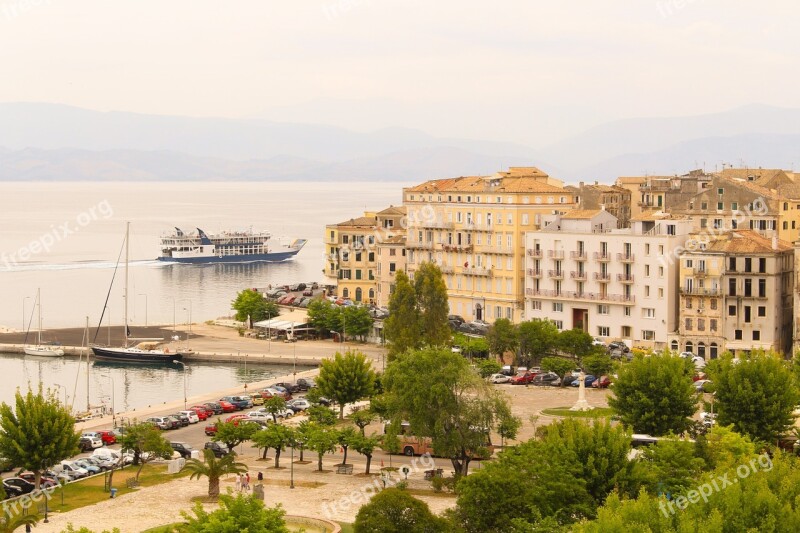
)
(233, 418)
(524, 379)
(211, 430)
(202, 412)
(107, 436)
(602, 382)
(227, 407)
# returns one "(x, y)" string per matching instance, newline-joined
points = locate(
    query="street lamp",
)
(175, 361)
(145, 308)
(23, 312)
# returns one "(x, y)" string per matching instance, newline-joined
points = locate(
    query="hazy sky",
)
(526, 71)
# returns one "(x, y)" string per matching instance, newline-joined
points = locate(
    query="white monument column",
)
(582, 404)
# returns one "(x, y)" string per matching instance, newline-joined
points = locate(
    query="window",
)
(712, 324)
(647, 291)
(392, 267)
(762, 288)
(748, 264)
(603, 331)
(536, 305)
(371, 257)
(688, 303)
(737, 334)
(661, 272)
(731, 310)
(688, 324)
(732, 287)
(602, 310)
(626, 332)
(559, 324)
(647, 271)
(704, 206)
(661, 292)
(345, 293)
(756, 335)
(648, 312)
(525, 219)
(762, 310)
(688, 263)
(748, 287)
(713, 304)
(747, 313)
(701, 324)
(648, 335)
(762, 262)
(358, 273)
(508, 313)
(734, 206)
(720, 207)
(703, 223)
(558, 307)
(510, 218)
(732, 264)
(720, 191)
(627, 311)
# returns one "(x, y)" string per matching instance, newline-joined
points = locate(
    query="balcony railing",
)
(578, 255)
(487, 249)
(600, 276)
(535, 253)
(446, 269)
(555, 254)
(602, 257)
(695, 291)
(435, 224)
(625, 258)
(417, 245)
(474, 226)
(535, 272)
(625, 278)
(578, 275)
(477, 272)
(573, 295)
(457, 248)
(559, 274)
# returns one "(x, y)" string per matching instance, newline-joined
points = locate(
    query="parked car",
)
(174, 422)
(548, 378)
(305, 303)
(618, 346)
(588, 380)
(94, 439)
(238, 402)
(290, 387)
(215, 407)
(455, 318)
(259, 415)
(108, 436)
(686, 355)
(227, 407)
(598, 342)
(257, 399)
(85, 444)
(308, 292)
(16, 486)
(202, 412)
(182, 419)
(182, 448)
(218, 449)
(269, 392)
(602, 382)
(161, 422)
(103, 463)
(300, 404)
(71, 469)
(45, 481)
(211, 430)
(107, 454)
(235, 417)
(87, 465)
(305, 384)
(523, 379)
(702, 385)
(191, 415)
(499, 378)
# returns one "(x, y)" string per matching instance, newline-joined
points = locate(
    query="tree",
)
(431, 292)
(507, 424)
(502, 337)
(37, 433)
(346, 378)
(365, 446)
(357, 321)
(597, 364)
(322, 440)
(559, 366)
(362, 418)
(319, 414)
(276, 436)
(303, 434)
(214, 469)
(345, 437)
(756, 395)
(273, 406)
(243, 512)
(320, 316)
(443, 399)
(251, 304)
(536, 338)
(394, 510)
(487, 367)
(10, 523)
(145, 441)
(234, 433)
(575, 342)
(654, 395)
(672, 467)
(403, 326)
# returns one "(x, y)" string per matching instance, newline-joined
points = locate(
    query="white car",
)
(192, 416)
(300, 404)
(71, 469)
(259, 415)
(285, 413)
(499, 378)
(94, 438)
(598, 342)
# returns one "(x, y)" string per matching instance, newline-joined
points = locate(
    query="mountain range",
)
(58, 143)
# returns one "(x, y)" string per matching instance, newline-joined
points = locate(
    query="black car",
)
(568, 379)
(216, 407)
(618, 346)
(174, 421)
(305, 384)
(85, 444)
(183, 419)
(291, 387)
(182, 448)
(218, 449)
(16, 486)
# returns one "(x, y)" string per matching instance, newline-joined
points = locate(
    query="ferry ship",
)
(226, 247)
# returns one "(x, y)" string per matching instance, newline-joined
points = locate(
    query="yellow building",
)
(474, 229)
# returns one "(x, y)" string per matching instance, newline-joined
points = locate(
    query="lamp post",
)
(175, 361)
(23, 312)
(189, 334)
(65, 392)
(46, 494)
(145, 308)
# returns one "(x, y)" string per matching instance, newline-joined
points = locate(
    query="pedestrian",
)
(260, 476)
(238, 483)
(247, 481)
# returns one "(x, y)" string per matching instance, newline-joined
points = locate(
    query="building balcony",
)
(467, 248)
(535, 272)
(487, 272)
(487, 249)
(602, 257)
(535, 253)
(578, 255)
(626, 258)
(473, 226)
(556, 274)
(600, 276)
(695, 291)
(748, 296)
(625, 278)
(577, 275)
(584, 296)
(417, 245)
(555, 254)
(446, 269)
(435, 224)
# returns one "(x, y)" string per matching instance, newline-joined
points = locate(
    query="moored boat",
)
(42, 350)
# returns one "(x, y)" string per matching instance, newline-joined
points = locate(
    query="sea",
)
(65, 239)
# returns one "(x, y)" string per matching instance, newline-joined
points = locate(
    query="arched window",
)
(701, 349)
(478, 312)
(345, 293)
(713, 350)
(674, 346)
(358, 294)
(372, 294)
(689, 347)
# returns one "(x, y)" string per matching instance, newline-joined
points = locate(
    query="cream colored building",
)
(391, 251)
(474, 229)
(736, 294)
(616, 284)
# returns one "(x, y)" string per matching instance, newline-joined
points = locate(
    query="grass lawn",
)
(346, 528)
(597, 412)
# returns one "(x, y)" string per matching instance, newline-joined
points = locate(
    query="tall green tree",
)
(356, 321)
(252, 304)
(234, 433)
(559, 366)
(431, 293)
(756, 395)
(537, 339)
(275, 436)
(236, 514)
(346, 378)
(403, 326)
(274, 406)
(443, 399)
(654, 395)
(345, 437)
(322, 439)
(598, 363)
(394, 510)
(366, 447)
(321, 317)
(502, 337)
(575, 342)
(214, 469)
(37, 432)
(362, 418)
(147, 444)
(672, 467)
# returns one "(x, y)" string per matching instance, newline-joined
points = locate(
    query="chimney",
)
(775, 241)
(602, 207)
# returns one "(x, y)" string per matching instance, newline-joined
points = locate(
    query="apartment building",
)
(616, 200)
(616, 284)
(391, 252)
(736, 294)
(353, 249)
(474, 229)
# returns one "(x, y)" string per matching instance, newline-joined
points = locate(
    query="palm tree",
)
(9, 523)
(214, 469)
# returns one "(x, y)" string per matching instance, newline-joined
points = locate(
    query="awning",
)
(293, 320)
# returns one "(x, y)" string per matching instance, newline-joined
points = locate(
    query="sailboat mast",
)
(127, 250)
(39, 304)
(83, 349)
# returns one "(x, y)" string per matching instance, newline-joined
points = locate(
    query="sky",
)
(524, 71)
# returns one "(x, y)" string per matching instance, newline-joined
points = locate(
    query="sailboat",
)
(40, 349)
(147, 351)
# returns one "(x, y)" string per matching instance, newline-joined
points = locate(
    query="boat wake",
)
(74, 265)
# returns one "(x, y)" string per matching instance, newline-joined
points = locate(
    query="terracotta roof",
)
(761, 176)
(514, 181)
(395, 239)
(631, 180)
(656, 216)
(790, 191)
(753, 187)
(580, 214)
(746, 242)
(392, 210)
(358, 222)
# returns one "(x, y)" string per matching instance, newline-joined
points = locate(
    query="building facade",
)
(474, 229)
(616, 200)
(616, 284)
(736, 294)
